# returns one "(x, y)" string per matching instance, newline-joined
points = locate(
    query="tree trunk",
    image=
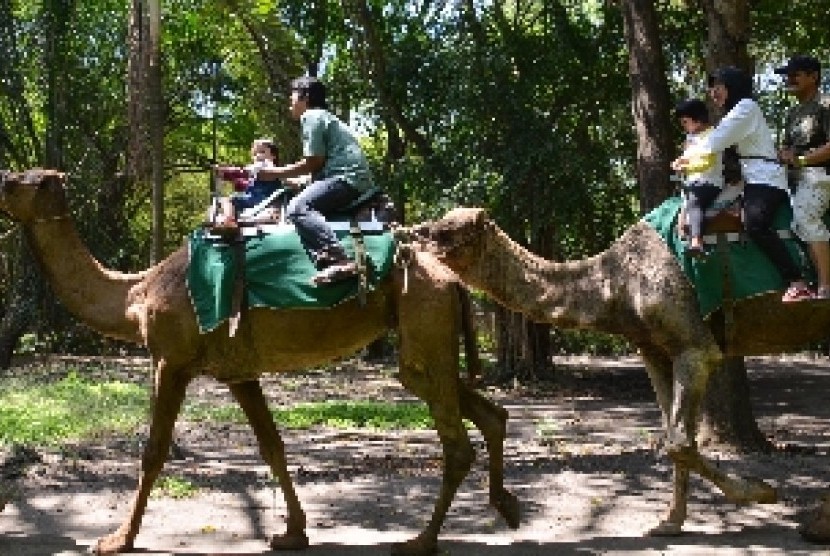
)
(727, 417)
(728, 36)
(649, 102)
(146, 111)
(155, 113)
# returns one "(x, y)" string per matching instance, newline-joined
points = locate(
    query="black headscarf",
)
(737, 82)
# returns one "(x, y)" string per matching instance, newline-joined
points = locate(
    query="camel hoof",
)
(817, 531)
(419, 546)
(289, 541)
(666, 529)
(748, 491)
(507, 504)
(113, 544)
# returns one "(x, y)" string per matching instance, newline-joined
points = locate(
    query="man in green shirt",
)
(339, 172)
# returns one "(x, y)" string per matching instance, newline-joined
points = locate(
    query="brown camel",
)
(636, 289)
(152, 308)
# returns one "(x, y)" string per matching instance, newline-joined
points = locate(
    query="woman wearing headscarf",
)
(744, 126)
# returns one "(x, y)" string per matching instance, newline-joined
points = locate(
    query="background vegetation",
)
(522, 107)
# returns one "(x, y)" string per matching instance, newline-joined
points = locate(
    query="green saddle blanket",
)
(750, 271)
(278, 273)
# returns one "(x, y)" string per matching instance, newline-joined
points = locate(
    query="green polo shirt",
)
(325, 135)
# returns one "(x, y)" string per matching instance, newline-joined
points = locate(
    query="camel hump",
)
(466, 215)
(32, 176)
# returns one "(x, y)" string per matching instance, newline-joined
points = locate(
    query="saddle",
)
(724, 218)
(371, 213)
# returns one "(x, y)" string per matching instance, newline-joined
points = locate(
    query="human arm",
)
(307, 165)
(815, 157)
(694, 159)
(234, 174)
(735, 126)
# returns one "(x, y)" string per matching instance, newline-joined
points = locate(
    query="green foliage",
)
(520, 107)
(169, 486)
(335, 414)
(69, 409)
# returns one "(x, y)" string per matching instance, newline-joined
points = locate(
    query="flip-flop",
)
(335, 273)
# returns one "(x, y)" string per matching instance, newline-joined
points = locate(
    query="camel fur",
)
(636, 289)
(152, 309)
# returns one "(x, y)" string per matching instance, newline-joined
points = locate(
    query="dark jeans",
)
(308, 211)
(698, 199)
(760, 204)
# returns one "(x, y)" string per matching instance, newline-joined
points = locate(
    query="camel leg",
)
(688, 382)
(491, 420)
(817, 530)
(659, 370)
(170, 391)
(250, 397)
(458, 452)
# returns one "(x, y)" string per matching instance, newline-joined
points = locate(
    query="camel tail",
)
(468, 331)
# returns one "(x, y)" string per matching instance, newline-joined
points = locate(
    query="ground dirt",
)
(580, 455)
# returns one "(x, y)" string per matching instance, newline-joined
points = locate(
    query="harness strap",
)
(759, 157)
(734, 237)
(728, 297)
(238, 294)
(360, 260)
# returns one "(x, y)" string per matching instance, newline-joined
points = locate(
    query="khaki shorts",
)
(810, 202)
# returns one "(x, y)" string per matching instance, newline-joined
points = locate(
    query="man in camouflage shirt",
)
(806, 150)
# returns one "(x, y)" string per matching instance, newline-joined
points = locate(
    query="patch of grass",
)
(335, 414)
(70, 408)
(77, 408)
(169, 486)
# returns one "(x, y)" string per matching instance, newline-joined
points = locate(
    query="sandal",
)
(696, 252)
(797, 293)
(335, 273)
(225, 227)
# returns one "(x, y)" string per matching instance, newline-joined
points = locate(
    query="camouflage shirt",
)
(807, 125)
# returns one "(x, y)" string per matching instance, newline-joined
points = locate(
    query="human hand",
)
(786, 156)
(679, 164)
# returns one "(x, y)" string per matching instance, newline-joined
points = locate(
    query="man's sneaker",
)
(797, 293)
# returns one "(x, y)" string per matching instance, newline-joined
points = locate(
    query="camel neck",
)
(95, 295)
(545, 291)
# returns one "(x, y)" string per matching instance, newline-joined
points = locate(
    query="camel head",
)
(456, 238)
(33, 195)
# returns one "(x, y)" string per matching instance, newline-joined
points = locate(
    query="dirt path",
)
(579, 457)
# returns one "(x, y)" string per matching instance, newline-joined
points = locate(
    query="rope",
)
(404, 253)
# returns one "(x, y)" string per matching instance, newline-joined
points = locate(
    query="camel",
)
(152, 308)
(636, 289)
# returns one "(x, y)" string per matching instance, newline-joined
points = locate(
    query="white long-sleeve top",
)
(745, 127)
